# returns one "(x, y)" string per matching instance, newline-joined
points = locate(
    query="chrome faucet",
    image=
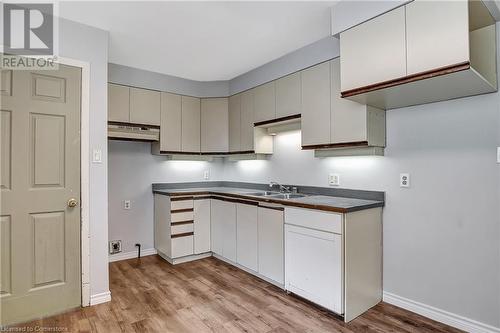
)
(283, 189)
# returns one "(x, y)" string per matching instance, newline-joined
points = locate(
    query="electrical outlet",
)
(334, 179)
(498, 154)
(206, 174)
(404, 180)
(126, 204)
(96, 155)
(115, 246)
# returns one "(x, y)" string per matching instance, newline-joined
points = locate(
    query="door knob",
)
(72, 202)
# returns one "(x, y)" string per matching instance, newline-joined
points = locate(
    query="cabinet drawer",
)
(181, 204)
(182, 228)
(182, 246)
(324, 221)
(182, 216)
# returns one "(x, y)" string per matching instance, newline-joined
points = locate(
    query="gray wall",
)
(89, 44)
(312, 54)
(156, 81)
(132, 171)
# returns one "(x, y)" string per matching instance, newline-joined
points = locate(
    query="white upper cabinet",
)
(352, 122)
(214, 125)
(264, 102)
(171, 120)
(374, 52)
(190, 124)
(437, 34)
(315, 107)
(422, 52)
(246, 126)
(288, 95)
(118, 103)
(235, 123)
(348, 118)
(145, 106)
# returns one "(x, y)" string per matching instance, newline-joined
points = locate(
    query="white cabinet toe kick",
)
(331, 259)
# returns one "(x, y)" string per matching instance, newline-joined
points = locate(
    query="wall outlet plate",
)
(334, 179)
(206, 174)
(115, 246)
(96, 155)
(404, 180)
(498, 154)
(126, 204)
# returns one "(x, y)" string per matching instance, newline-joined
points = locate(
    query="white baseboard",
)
(445, 317)
(100, 298)
(130, 255)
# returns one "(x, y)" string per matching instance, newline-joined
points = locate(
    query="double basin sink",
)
(276, 195)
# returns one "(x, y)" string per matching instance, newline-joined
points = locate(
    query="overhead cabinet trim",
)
(408, 79)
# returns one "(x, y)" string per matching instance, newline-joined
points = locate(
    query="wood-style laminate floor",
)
(208, 295)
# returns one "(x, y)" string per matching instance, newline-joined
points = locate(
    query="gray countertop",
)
(312, 201)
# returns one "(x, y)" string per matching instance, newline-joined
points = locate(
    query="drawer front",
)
(312, 219)
(182, 228)
(182, 216)
(182, 246)
(181, 204)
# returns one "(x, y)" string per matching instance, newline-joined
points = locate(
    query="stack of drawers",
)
(182, 226)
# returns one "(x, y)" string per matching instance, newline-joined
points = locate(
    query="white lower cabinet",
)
(182, 246)
(247, 236)
(270, 244)
(314, 266)
(223, 228)
(201, 226)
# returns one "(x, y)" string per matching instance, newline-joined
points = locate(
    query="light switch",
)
(498, 154)
(96, 155)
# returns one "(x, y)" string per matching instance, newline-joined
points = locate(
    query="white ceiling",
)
(202, 41)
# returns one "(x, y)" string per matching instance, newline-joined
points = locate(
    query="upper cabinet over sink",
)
(422, 52)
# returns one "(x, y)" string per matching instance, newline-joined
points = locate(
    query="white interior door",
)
(40, 193)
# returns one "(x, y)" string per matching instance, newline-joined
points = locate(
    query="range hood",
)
(131, 132)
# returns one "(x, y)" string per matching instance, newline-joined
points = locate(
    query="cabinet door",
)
(145, 106)
(214, 125)
(171, 119)
(264, 102)
(314, 266)
(270, 245)
(118, 103)
(247, 116)
(288, 95)
(348, 118)
(437, 34)
(190, 141)
(374, 51)
(234, 123)
(247, 236)
(316, 105)
(217, 226)
(201, 226)
(223, 220)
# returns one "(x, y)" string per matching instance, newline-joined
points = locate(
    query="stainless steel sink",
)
(287, 196)
(263, 194)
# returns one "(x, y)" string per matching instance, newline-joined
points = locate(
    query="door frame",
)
(84, 174)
